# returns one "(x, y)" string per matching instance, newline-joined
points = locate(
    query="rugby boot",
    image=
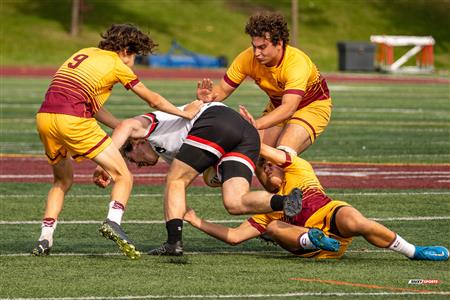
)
(435, 253)
(292, 204)
(167, 249)
(321, 241)
(42, 248)
(111, 230)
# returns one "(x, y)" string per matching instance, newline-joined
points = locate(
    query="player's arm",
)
(208, 92)
(158, 102)
(106, 118)
(232, 236)
(289, 105)
(130, 128)
(276, 156)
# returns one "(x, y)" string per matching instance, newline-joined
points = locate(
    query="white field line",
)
(152, 195)
(87, 222)
(18, 176)
(249, 296)
(319, 172)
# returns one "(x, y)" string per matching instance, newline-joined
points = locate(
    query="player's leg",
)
(48, 128)
(237, 198)
(63, 179)
(188, 164)
(113, 163)
(305, 126)
(294, 138)
(294, 238)
(350, 222)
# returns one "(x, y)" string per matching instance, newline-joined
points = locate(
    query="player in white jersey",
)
(218, 137)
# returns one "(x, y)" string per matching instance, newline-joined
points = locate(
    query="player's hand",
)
(101, 178)
(193, 108)
(191, 217)
(246, 115)
(205, 90)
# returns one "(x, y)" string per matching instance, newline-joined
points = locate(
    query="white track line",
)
(250, 296)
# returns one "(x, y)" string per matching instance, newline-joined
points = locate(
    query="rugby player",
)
(67, 125)
(337, 219)
(218, 136)
(299, 107)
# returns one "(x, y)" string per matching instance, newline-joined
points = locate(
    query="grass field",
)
(370, 123)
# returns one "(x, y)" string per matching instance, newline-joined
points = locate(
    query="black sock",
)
(276, 202)
(174, 230)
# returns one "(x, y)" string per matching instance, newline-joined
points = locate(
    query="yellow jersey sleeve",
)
(125, 75)
(239, 68)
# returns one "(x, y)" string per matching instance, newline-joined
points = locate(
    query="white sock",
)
(116, 210)
(402, 246)
(47, 229)
(305, 242)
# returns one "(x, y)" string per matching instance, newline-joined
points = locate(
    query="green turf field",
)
(370, 123)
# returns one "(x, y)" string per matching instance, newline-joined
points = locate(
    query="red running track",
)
(331, 175)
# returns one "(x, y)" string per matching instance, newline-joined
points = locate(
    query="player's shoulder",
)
(294, 54)
(246, 54)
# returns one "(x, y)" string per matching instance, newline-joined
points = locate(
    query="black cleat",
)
(167, 249)
(292, 204)
(111, 230)
(42, 248)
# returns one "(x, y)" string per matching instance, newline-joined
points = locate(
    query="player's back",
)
(84, 82)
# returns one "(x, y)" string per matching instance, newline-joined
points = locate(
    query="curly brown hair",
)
(272, 23)
(126, 36)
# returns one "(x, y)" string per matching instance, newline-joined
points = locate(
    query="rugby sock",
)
(402, 246)
(305, 242)
(116, 210)
(47, 228)
(174, 230)
(276, 202)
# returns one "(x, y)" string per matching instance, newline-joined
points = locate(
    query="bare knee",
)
(233, 208)
(351, 222)
(63, 183)
(124, 176)
(273, 228)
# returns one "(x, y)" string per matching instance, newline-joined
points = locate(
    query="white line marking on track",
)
(250, 296)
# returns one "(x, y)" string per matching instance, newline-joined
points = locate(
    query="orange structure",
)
(422, 48)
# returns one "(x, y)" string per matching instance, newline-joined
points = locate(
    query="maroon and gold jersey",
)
(294, 74)
(84, 82)
(298, 174)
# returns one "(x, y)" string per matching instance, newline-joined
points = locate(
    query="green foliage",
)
(37, 32)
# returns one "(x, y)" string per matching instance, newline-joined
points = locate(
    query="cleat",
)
(167, 249)
(111, 230)
(292, 205)
(435, 253)
(321, 241)
(42, 248)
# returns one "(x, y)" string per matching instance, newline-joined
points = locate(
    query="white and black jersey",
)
(218, 136)
(168, 132)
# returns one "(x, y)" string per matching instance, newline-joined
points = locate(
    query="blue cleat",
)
(321, 241)
(435, 253)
